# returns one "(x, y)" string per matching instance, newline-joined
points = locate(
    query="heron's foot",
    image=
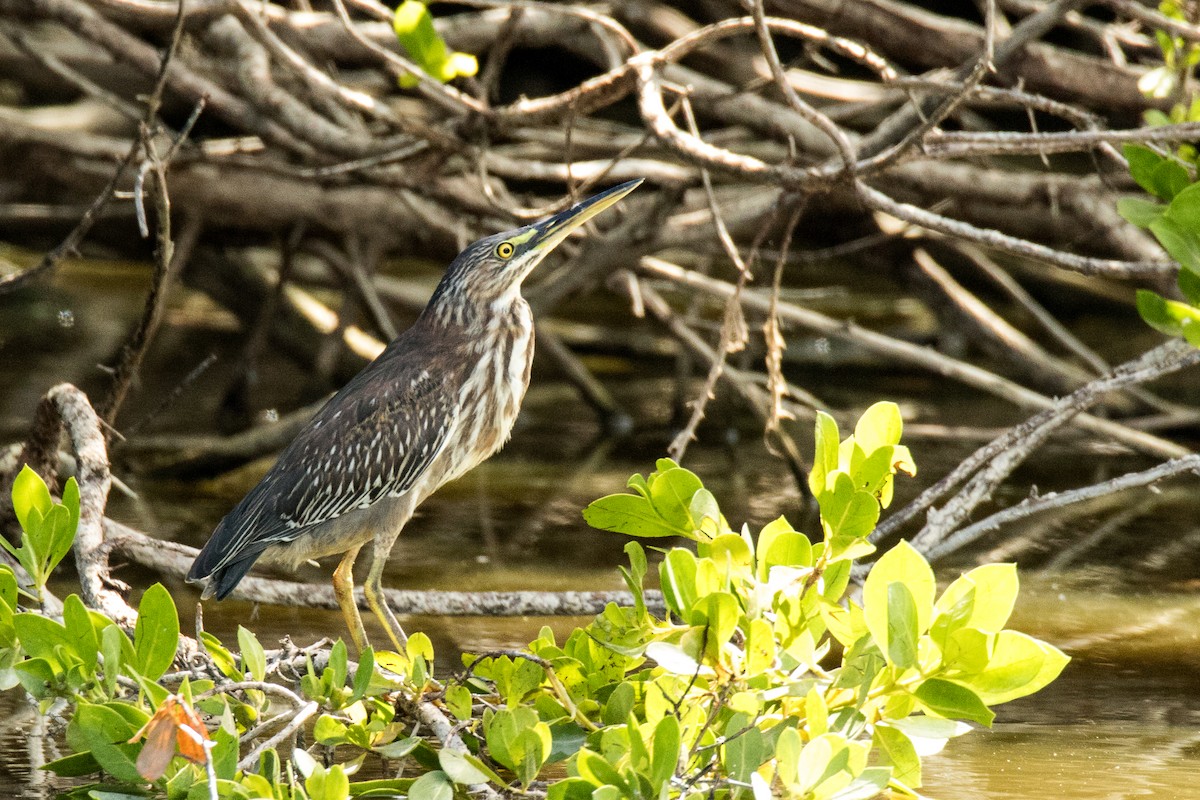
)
(378, 603)
(343, 589)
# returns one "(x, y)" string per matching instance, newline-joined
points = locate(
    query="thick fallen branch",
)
(174, 559)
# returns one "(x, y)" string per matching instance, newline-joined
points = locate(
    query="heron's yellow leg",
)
(343, 589)
(373, 589)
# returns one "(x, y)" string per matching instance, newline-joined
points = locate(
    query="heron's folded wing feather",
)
(375, 437)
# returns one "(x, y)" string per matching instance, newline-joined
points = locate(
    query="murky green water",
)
(1122, 722)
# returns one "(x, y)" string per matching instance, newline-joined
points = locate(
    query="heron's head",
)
(490, 271)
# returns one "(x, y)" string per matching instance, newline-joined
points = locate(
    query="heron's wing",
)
(375, 437)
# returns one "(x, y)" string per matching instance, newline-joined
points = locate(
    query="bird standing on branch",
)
(439, 400)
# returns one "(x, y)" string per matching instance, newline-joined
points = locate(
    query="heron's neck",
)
(478, 313)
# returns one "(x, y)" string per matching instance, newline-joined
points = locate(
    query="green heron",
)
(441, 398)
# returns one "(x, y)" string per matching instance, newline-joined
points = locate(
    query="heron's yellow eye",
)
(505, 250)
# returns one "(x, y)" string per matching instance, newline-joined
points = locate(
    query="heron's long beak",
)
(548, 233)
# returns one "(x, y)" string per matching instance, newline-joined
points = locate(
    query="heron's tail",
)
(216, 570)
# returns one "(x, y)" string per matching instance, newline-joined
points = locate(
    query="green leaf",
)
(1020, 665)
(966, 650)
(1189, 285)
(363, 674)
(156, 634)
(29, 493)
(994, 589)
(534, 745)
(1138, 211)
(787, 756)
(880, 426)
(730, 550)
(901, 626)
(566, 739)
(677, 576)
(329, 730)
(1183, 244)
(80, 631)
(596, 769)
(904, 565)
(399, 748)
(847, 514)
(414, 29)
(254, 658)
(328, 783)
(816, 713)
(222, 658)
(705, 513)
(1152, 171)
(1191, 333)
(1169, 316)
(665, 753)
(104, 732)
(719, 614)
(825, 461)
(953, 701)
(42, 637)
(458, 701)
(929, 734)
(897, 750)
(745, 750)
(1185, 207)
(461, 770)
(671, 493)
(434, 785)
(870, 783)
(674, 659)
(570, 789)
(75, 765)
(8, 587)
(630, 514)
(339, 659)
(787, 550)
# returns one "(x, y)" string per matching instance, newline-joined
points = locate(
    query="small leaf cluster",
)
(49, 527)
(413, 25)
(1174, 219)
(1180, 57)
(762, 678)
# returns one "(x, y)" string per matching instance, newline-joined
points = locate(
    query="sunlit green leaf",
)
(953, 701)
(901, 626)
(879, 426)
(414, 29)
(897, 750)
(671, 493)
(630, 514)
(826, 458)
(677, 576)
(904, 565)
(1020, 665)
(966, 650)
(847, 514)
(29, 492)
